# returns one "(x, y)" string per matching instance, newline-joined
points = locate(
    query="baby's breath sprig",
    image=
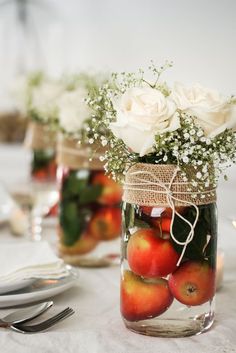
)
(188, 146)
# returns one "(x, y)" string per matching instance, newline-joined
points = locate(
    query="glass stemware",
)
(37, 199)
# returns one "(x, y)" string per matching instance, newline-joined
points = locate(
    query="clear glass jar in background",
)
(158, 297)
(89, 217)
(43, 165)
(42, 144)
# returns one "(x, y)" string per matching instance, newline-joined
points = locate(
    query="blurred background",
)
(58, 36)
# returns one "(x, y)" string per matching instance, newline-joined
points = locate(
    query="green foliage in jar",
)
(42, 158)
(77, 199)
(203, 244)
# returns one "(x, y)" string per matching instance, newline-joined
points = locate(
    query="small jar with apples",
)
(42, 143)
(89, 226)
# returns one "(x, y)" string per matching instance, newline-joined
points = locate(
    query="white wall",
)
(198, 35)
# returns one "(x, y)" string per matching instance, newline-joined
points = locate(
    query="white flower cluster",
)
(37, 96)
(44, 100)
(151, 123)
(58, 103)
(73, 110)
(144, 112)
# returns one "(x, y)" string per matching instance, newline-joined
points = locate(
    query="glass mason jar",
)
(89, 213)
(43, 164)
(167, 281)
(42, 144)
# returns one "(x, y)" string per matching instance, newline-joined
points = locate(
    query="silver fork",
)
(25, 314)
(44, 325)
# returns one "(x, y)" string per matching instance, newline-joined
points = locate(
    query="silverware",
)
(26, 314)
(44, 325)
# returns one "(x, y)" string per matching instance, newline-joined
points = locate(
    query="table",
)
(96, 326)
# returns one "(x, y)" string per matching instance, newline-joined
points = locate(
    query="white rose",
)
(211, 110)
(45, 98)
(142, 113)
(73, 110)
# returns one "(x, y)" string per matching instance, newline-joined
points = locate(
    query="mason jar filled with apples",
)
(168, 260)
(89, 209)
(42, 143)
(43, 165)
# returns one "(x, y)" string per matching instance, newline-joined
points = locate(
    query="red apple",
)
(149, 255)
(147, 210)
(46, 173)
(142, 300)
(162, 223)
(111, 192)
(168, 211)
(83, 245)
(52, 169)
(106, 223)
(193, 283)
(39, 175)
(165, 224)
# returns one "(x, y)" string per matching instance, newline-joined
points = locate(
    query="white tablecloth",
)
(96, 326)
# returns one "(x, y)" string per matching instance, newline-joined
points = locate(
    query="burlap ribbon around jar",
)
(152, 185)
(38, 137)
(164, 186)
(74, 155)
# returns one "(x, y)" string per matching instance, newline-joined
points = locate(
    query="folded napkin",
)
(29, 260)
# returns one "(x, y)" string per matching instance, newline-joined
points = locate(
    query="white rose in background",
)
(142, 113)
(73, 110)
(45, 98)
(211, 110)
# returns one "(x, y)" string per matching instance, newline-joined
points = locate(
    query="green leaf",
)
(198, 248)
(75, 183)
(90, 194)
(42, 158)
(72, 221)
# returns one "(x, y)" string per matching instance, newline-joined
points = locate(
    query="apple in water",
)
(111, 192)
(40, 175)
(193, 283)
(83, 245)
(165, 212)
(106, 223)
(163, 223)
(149, 255)
(142, 300)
